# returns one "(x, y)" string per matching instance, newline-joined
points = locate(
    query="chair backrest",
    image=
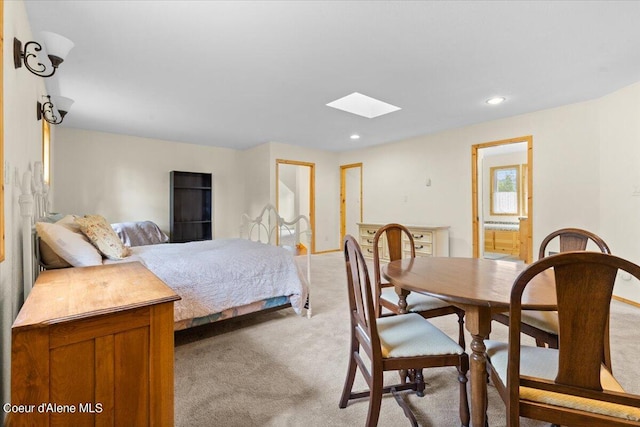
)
(573, 239)
(394, 234)
(363, 314)
(584, 284)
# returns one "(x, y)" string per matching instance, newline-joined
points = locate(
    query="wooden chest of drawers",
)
(94, 346)
(428, 241)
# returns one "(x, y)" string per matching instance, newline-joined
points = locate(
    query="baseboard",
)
(326, 252)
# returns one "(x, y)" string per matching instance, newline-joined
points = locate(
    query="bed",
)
(216, 279)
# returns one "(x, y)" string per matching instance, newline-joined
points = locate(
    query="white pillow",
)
(139, 233)
(73, 247)
(69, 221)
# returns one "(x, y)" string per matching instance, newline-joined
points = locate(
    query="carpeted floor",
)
(280, 369)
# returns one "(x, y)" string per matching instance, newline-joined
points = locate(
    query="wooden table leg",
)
(402, 299)
(478, 322)
(402, 305)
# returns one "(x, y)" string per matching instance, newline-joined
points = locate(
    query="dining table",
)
(481, 287)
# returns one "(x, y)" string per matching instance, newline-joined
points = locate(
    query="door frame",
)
(343, 197)
(474, 191)
(312, 195)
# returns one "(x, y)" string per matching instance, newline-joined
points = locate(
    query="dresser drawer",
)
(422, 236)
(422, 248)
(366, 241)
(368, 232)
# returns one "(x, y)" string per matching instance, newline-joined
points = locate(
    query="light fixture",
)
(57, 48)
(355, 136)
(47, 109)
(496, 100)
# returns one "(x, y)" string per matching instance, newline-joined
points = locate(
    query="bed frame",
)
(268, 227)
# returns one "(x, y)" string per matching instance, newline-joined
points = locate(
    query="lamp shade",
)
(61, 103)
(56, 45)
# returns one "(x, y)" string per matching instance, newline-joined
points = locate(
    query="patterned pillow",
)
(100, 233)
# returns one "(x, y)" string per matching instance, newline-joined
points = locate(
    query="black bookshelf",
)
(190, 210)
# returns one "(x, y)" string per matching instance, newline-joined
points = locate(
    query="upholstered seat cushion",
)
(415, 302)
(544, 320)
(408, 335)
(540, 362)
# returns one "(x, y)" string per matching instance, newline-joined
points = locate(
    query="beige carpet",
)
(279, 369)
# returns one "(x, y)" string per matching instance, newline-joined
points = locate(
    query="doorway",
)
(502, 199)
(295, 195)
(350, 199)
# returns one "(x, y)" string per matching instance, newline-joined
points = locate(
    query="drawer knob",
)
(418, 237)
(371, 232)
(369, 241)
(419, 247)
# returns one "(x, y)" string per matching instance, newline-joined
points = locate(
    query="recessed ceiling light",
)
(496, 100)
(355, 136)
(363, 105)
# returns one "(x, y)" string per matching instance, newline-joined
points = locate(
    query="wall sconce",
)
(47, 112)
(57, 48)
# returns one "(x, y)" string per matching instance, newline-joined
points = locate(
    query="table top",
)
(471, 281)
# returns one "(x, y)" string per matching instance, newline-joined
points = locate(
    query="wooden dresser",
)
(94, 346)
(428, 241)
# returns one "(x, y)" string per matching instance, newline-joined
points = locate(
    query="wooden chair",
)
(543, 325)
(392, 343)
(570, 385)
(386, 295)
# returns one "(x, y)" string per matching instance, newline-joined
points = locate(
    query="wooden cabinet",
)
(94, 346)
(428, 241)
(190, 210)
(502, 241)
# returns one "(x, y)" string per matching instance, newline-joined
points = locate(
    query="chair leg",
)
(419, 383)
(405, 407)
(348, 382)
(461, 340)
(404, 375)
(463, 368)
(375, 399)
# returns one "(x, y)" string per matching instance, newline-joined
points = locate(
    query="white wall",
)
(619, 183)
(256, 166)
(586, 161)
(565, 169)
(580, 152)
(22, 146)
(126, 178)
(327, 183)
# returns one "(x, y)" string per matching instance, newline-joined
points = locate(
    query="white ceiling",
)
(241, 73)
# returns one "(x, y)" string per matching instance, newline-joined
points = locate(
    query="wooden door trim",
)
(2, 199)
(474, 190)
(312, 194)
(343, 208)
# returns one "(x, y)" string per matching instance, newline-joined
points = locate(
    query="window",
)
(505, 190)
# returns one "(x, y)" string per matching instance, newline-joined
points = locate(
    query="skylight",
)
(363, 105)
